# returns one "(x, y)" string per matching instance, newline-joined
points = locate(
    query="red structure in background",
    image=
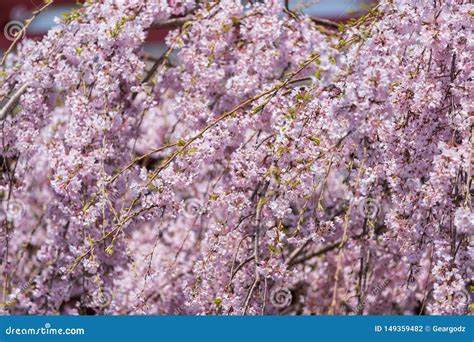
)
(9, 10)
(22, 9)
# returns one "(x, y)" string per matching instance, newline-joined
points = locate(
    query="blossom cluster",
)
(267, 163)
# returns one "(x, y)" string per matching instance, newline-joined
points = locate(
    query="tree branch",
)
(258, 222)
(12, 101)
(20, 34)
(317, 21)
(174, 22)
(325, 22)
(322, 251)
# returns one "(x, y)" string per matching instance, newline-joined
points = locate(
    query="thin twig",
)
(325, 22)
(12, 101)
(258, 222)
(173, 22)
(319, 252)
(297, 251)
(22, 32)
(232, 273)
(242, 264)
(137, 159)
(344, 239)
(426, 291)
(317, 21)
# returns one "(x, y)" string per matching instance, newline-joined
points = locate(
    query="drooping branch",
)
(317, 21)
(11, 103)
(20, 34)
(258, 221)
(319, 252)
(169, 23)
(325, 22)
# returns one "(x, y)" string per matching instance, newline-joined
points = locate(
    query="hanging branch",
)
(12, 101)
(258, 222)
(317, 21)
(325, 22)
(173, 22)
(20, 34)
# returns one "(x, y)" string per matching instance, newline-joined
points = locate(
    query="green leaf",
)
(109, 250)
(262, 202)
(273, 249)
(257, 109)
(280, 151)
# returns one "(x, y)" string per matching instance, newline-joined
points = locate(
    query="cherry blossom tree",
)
(267, 163)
